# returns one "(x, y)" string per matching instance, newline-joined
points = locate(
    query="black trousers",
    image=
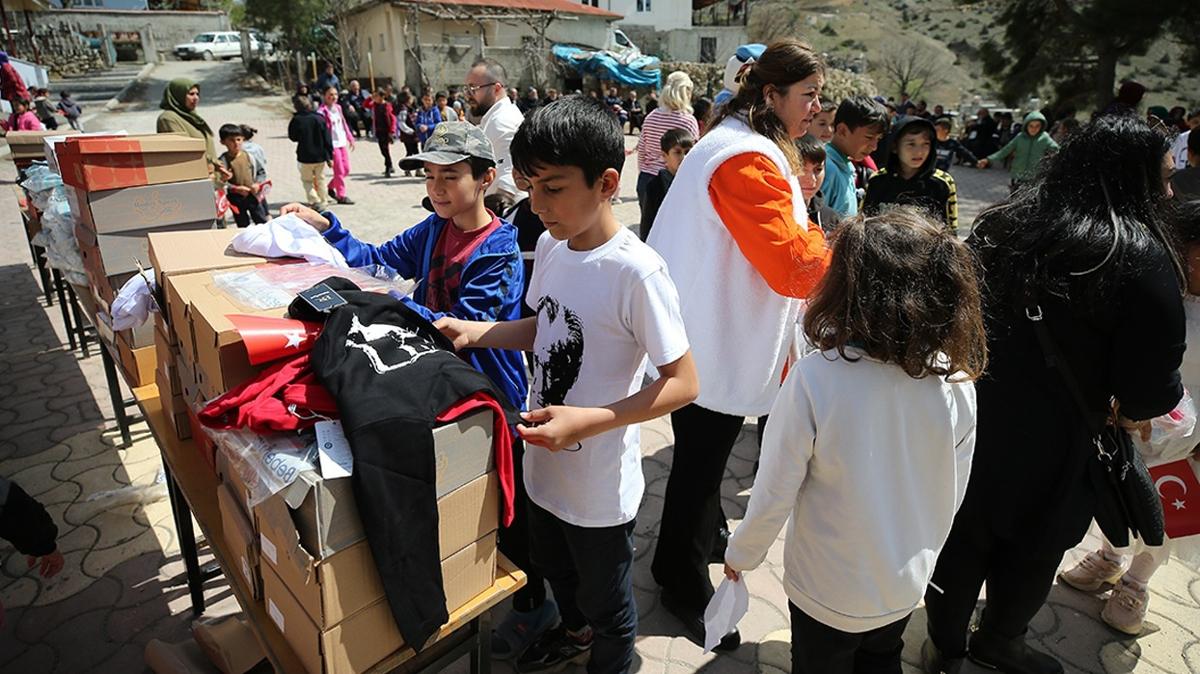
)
(591, 572)
(1018, 580)
(248, 208)
(514, 539)
(692, 509)
(385, 149)
(818, 648)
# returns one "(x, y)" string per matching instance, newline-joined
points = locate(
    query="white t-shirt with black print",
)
(600, 312)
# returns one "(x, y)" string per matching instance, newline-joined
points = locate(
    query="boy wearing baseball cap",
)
(467, 264)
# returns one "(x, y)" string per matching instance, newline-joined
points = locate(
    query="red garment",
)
(285, 397)
(12, 87)
(450, 255)
(501, 442)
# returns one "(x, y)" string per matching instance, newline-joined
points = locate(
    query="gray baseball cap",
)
(451, 143)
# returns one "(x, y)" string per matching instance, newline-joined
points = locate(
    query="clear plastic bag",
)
(39, 181)
(267, 464)
(1173, 436)
(275, 285)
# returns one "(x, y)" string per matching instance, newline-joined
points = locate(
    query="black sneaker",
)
(554, 651)
(345, 201)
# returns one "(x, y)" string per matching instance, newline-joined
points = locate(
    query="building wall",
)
(663, 14)
(684, 45)
(167, 28)
(449, 47)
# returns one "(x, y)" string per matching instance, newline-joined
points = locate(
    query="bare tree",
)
(912, 66)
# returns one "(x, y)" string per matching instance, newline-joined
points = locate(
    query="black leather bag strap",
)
(1055, 361)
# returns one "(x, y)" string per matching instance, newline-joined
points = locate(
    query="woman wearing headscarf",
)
(179, 102)
(12, 86)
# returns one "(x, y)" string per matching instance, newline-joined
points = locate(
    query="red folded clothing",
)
(285, 397)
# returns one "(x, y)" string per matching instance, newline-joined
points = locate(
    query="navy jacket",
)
(490, 290)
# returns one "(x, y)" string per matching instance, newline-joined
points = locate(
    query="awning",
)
(642, 71)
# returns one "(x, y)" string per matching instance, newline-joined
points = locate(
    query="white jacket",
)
(871, 465)
(500, 124)
(740, 329)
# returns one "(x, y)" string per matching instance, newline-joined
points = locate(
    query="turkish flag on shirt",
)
(1179, 490)
(268, 339)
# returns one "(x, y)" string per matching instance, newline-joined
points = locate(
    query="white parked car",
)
(218, 45)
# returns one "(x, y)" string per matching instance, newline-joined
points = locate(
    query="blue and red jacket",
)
(490, 287)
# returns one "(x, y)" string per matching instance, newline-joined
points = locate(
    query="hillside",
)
(862, 34)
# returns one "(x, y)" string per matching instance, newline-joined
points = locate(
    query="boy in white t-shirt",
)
(604, 301)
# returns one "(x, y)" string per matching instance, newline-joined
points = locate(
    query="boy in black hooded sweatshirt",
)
(911, 177)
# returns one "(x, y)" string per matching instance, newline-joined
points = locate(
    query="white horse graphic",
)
(407, 341)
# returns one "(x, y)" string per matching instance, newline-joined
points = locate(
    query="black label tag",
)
(323, 298)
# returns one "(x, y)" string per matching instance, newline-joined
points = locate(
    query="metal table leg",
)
(80, 328)
(114, 392)
(187, 542)
(481, 654)
(60, 286)
(39, 263)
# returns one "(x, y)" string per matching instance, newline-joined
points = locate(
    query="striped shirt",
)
(658, 122)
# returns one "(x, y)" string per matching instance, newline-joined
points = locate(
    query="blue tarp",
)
(642, 71)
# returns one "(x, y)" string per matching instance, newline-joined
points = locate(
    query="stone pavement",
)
(123, 582)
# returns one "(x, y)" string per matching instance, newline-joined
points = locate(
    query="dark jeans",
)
(590, 570)
(385, 149)
(248, 208)
(818, 648)
(692, 509)
(514, 539)
(1018, 580)
(643, 181)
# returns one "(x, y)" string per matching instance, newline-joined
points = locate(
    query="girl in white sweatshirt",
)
(869, 443)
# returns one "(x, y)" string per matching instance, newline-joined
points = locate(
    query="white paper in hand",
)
(333, 450)
(727, 607)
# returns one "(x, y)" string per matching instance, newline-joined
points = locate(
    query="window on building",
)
(708, 50)
(643, 6)
(593, 3)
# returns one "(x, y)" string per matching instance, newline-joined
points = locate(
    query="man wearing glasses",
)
(487, 98)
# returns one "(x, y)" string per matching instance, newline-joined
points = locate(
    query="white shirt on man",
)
(600, 312)
(500, 124)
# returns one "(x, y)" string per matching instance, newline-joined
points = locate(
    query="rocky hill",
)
(904, 40)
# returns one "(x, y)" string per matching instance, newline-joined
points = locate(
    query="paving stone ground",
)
(123, 583)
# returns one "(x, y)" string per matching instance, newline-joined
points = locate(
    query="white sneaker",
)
(1125, 609)
(1092, 573)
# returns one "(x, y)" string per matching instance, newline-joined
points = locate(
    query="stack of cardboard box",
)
(26, 147)
(122, 188)
(302, 551)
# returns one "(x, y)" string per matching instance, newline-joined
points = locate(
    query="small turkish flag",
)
(268, 338)
(1179, 491)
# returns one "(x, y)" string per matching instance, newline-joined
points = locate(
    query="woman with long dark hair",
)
(1083, 245)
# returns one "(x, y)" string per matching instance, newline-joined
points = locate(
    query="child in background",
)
(314, 149)
(22, 119)
(383, 120)
(41, 107)
(343, 143)
(675, 144)
(822, 123)
(871, 488)
(911, 177)
(604, 303)
(812, 154)
(443, 105)
(70, 109)
(858, 125)
(1125, 608)
(428, 117)
(237, 170)
(406, 119)
(1027, 150)
(948, 148)
(257, 154)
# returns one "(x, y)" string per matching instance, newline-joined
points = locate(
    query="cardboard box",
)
(187, 379)
(50, 144)
(229, 642)
(332, 588)
(97, 164)
(326, 514)
(120, 251)
(370, 635)
(239, 540)
(189, 252)
(138, 364)
(174, 407)
(145, 207)
(236, 484)
(165, 355)
(30, 144)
